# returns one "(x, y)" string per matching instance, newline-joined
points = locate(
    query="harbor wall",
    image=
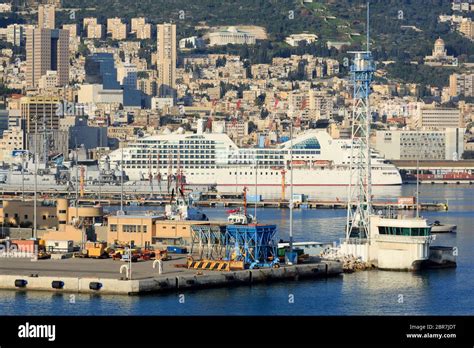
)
(170, 282)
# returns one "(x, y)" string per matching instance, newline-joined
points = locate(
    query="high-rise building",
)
(46, 16)
(47, 50)
(119, 31)
(137, 23)
(461, 84)
(111, 22)
(94, 31)
(15, 34)
(72, 28)
(166, 62)
(140, 28)
(116, 28)
(100, 69)
(40, 112)
(127, 75)
(467, 28)
(87, 21)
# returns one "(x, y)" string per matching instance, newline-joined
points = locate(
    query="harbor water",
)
(434, 292)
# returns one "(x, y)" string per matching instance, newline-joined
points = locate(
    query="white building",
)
(231, 36)
(439, 56)
(447, 144)
(194, 41)
(295, 39)
(95, 93)
(161, 103)
(438, 118)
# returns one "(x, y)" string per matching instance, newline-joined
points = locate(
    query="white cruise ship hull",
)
(214, 159)
(245, 176)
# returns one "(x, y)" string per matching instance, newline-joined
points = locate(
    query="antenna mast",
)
(359, 206)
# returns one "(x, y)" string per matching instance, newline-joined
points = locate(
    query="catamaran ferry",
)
(214, 159)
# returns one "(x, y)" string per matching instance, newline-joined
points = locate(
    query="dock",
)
(267, 203)
(104, 277)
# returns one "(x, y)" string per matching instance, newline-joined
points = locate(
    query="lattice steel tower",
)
(359, 206)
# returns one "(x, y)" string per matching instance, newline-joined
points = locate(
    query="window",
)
(403, 231)
(62, 212)
(113, 228)
(44, 217)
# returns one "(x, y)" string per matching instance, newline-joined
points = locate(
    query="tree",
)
(83, 50)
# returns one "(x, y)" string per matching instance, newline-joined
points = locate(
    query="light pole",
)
(121, 182)
(35, 232)
(291, 186)
(417, 173)
(77, 186)
(256, 188)
(23, 177)
(100, 173)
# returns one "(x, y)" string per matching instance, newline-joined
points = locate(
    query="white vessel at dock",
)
(394, 243)
(214, 159)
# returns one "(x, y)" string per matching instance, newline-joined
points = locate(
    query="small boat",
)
(438, 227)
(239, 217)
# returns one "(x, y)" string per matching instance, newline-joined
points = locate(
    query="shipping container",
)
(253, 198)
(24, 245)
(176, 249)
(299, 198)
(406, 200)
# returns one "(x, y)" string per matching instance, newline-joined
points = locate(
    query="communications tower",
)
(359, 206)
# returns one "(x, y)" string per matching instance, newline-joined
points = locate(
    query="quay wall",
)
(172, 281)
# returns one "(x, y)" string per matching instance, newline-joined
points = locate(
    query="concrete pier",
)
(103, 277)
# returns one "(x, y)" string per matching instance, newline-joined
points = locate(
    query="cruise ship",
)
(214, 159)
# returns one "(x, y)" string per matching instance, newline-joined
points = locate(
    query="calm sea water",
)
(440, 292)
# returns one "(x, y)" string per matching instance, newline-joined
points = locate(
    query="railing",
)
(358, 241)
(405, 239)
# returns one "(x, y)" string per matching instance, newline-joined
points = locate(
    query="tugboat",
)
(182, 209)
(240, 216)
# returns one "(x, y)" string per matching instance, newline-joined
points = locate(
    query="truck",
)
(96, 250)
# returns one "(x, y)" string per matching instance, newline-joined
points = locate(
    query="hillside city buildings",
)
(78, 91)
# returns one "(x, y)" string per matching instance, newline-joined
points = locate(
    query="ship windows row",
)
(404, 231)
